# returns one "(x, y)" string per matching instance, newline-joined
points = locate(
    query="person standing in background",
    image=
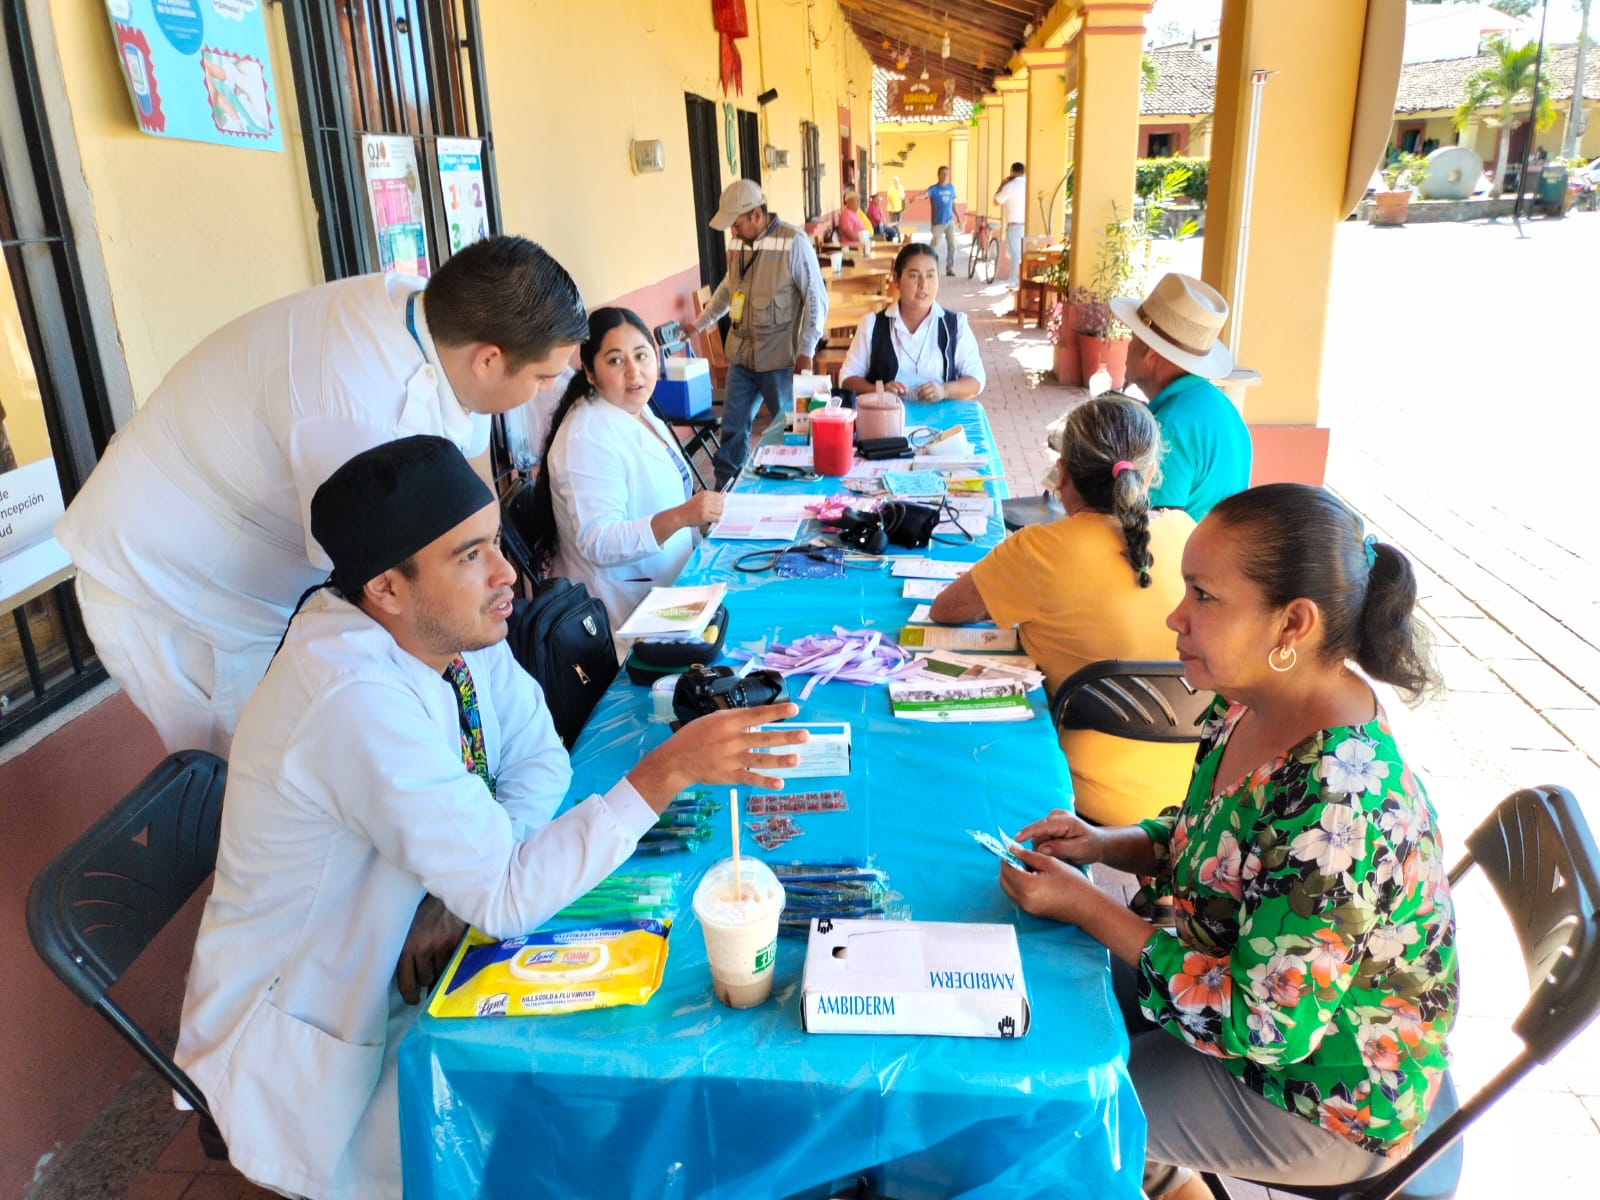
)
(1012, 197)
(777, 303)
(942, 215)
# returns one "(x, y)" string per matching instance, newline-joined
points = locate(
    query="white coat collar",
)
(428, 391)
(935, 315)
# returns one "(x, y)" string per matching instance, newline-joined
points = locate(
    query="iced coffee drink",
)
(741, 929)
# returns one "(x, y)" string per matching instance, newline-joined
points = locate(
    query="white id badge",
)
(736, 308)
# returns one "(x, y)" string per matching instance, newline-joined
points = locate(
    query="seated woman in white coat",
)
(615, 504)
(915, 348)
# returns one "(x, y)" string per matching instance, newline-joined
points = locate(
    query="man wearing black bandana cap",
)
(394, 753)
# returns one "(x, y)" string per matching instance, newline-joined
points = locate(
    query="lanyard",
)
(473, 754)
(411, 323)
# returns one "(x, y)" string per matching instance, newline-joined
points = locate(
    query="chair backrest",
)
(671, 337)
(1537, 851)
(713, 335)
(1539, 855)
(97, 905)
(1144, 701)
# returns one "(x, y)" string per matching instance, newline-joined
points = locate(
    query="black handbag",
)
(562, 637)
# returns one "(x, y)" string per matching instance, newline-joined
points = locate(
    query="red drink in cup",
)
(832, 440)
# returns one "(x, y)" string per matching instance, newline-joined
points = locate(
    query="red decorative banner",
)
(921, 98)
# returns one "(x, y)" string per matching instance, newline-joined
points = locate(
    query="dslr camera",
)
(702, 690)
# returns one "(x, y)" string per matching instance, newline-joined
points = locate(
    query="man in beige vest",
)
(777, 302)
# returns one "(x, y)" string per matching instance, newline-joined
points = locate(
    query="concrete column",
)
(1315, 51)
(961, 161)
(1106, 142)
(1014, 144)
(1047, 134)
(995, 161)
(977, 164)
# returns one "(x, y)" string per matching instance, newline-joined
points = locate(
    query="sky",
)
(1192, 14)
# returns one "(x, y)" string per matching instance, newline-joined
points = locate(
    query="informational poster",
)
(30, 504)
(198, 69)
(394, 190)
(30, 490)
(461, 182)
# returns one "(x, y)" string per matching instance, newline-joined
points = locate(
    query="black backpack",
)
(562, 637)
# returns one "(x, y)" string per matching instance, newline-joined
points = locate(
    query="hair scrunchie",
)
(1370, 542)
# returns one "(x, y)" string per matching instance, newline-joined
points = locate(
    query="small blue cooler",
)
(685, 391)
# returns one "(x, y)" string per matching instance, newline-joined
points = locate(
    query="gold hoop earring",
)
(1287, 655)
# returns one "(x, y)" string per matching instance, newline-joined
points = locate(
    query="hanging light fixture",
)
(944, 47)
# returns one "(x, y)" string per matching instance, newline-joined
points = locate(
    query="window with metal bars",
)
(811, 167)
(409, 68)
(54, 411)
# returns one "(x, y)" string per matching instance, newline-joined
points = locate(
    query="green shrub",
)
(1149, 172)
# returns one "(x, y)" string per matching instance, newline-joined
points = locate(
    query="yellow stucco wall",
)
(1484, 138)
(926, 147)
(191, 234)
(564, 120)
(1295, 214)
(19, 386)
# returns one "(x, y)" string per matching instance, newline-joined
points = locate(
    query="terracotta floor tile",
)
(183, 1152)
(159, 1185)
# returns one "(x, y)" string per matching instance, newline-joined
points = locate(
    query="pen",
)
(728, 487)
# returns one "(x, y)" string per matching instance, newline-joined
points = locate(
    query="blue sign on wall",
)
(198, 70)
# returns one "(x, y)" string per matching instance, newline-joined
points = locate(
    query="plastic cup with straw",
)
(738, 904)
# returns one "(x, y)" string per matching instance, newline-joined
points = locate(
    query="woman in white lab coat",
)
(615, 502)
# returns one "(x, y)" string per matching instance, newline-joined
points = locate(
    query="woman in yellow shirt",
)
(1097, 584)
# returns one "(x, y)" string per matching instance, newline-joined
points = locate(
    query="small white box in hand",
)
(825, 752)
(914, 977)
(680, 368)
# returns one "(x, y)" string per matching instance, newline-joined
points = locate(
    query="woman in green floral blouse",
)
(1295, 1019)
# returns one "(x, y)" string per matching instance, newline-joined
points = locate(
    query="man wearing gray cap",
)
(1175, 354)
(777, 302)
(394, 776)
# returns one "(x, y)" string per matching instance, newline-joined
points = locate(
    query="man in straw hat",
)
(394, 776)
(777, 302)
(1174, 356)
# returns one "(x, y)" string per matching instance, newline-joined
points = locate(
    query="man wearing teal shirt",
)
(1174, 356)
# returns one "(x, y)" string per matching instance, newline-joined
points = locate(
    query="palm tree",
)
(1501, 83)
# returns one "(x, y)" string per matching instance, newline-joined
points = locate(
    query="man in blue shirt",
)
(942, 203)
(1174, 356)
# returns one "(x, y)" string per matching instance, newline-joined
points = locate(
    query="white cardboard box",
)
(917, 977)
(825, 753)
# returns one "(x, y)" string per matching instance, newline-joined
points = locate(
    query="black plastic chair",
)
(1144, 701)
(97, 905)
(1030, 510)
(1539, 854)
(702, 437)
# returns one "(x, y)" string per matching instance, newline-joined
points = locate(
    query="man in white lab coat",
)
(190, 535)
(393, 776)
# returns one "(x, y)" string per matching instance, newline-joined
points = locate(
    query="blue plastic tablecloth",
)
(684, 1098)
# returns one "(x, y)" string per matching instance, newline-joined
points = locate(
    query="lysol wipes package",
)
(554, 971)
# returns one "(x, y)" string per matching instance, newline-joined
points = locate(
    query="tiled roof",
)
(961, 110)
(1187, 83)
(1431, 86)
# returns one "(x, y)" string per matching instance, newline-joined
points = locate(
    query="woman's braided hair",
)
(1100, 434)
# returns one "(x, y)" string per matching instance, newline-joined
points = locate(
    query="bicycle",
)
(985, 249)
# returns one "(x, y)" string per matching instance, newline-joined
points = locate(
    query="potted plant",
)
(1102, 339)
(1127, 257)
(1063, 337)
(1400, 177)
